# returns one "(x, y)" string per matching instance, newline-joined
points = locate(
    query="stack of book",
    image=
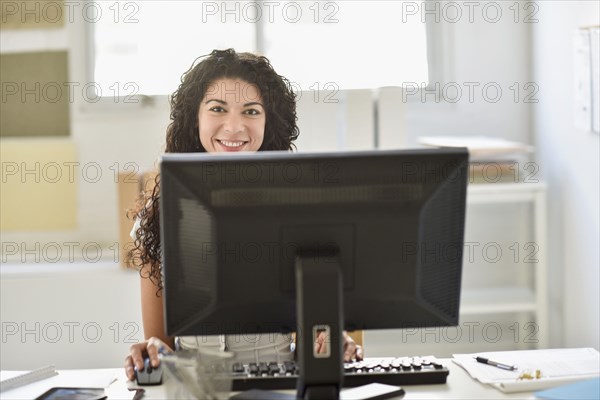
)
(491, 160)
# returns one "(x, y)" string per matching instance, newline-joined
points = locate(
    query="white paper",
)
(480, 147)
(556, 365)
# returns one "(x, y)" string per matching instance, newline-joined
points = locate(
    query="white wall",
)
(77, 315)
(479, 56)
(569, 157)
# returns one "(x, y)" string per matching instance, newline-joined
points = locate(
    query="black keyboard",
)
(389, 370)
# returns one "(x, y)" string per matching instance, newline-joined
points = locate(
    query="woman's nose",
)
(234, 124)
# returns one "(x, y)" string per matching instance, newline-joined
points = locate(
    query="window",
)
(146, 46)
(353, 44)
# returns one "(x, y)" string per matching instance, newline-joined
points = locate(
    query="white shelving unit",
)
(517, 298)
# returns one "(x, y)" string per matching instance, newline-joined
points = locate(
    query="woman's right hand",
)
(138, 352)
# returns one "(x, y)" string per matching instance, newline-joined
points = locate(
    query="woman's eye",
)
(252, 111)
(217, 109)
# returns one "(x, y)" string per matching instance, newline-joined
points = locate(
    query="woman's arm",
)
(154, 333)
(152, 312)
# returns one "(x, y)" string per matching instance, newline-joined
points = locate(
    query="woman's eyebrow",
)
(217, 100)
(252, 103)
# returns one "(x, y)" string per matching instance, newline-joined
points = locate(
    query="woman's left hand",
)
(352, 351)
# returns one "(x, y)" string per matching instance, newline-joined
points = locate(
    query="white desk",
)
(458, 386)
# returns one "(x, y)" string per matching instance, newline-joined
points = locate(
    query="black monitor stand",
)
(319, 310)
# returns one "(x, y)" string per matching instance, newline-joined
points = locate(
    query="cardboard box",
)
(129, 188)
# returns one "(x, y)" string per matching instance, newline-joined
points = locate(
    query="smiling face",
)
(231, 117)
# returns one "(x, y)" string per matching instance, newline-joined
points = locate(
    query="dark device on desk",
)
(304, 242)
(73, 393)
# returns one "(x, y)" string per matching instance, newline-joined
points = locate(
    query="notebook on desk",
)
(536, 369)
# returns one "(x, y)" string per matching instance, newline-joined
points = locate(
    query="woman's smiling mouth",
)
(232, 145)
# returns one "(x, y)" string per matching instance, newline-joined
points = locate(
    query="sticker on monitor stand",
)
(322, 335)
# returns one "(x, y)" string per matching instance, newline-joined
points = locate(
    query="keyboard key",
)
(253, 368)
(289, 366)
(238, 368)
(273, 368)
(263, 368)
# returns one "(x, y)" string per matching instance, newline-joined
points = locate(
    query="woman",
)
(226, 103)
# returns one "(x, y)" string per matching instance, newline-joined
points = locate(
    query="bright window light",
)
(354, 45)
(145, 46)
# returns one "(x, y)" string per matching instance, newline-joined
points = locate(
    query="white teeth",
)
(231, 144)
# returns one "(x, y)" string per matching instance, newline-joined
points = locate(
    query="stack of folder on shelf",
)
(534, 370)
(492, 160)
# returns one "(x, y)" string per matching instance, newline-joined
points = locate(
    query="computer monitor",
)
(304, 242)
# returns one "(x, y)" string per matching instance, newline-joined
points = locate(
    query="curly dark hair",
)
(183, 136)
